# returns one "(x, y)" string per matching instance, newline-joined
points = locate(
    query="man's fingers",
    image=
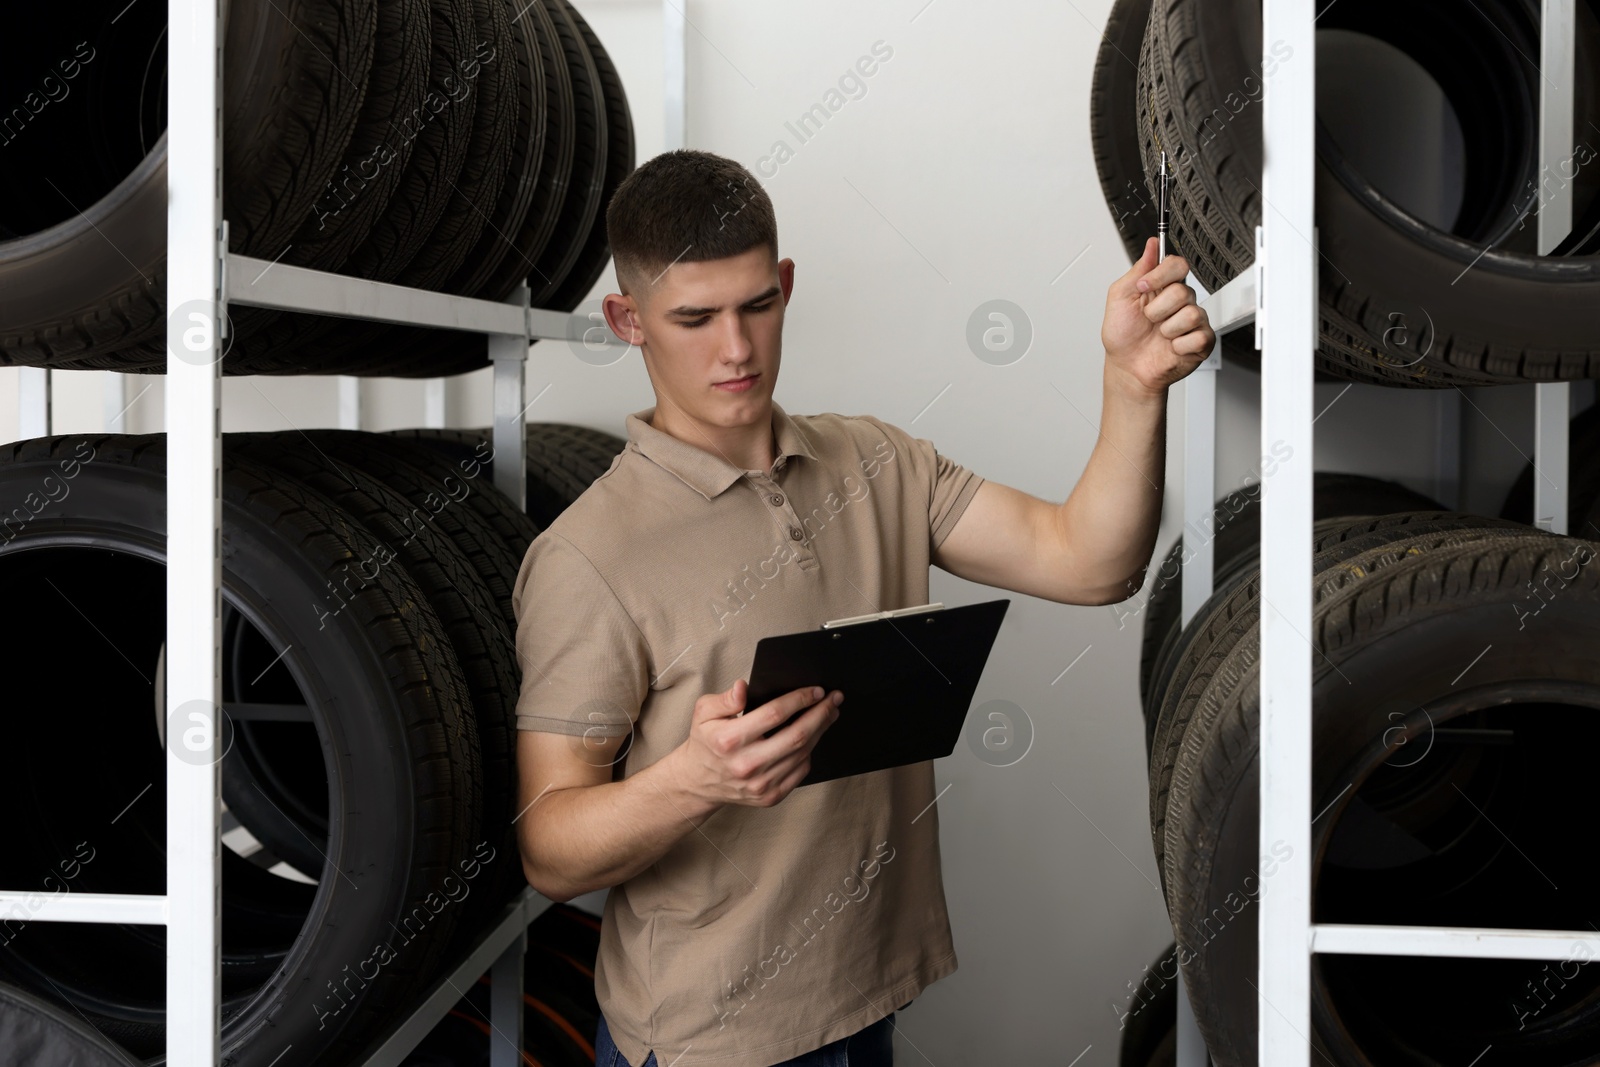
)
(777, 711)
(1169, 270)
(798, 736)
(1197, 343)
(1168, 301)
(1186, 318)
(1124, 286)
(790, 781)
(724, 705)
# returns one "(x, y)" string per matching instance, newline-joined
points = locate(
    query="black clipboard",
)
(908, 677)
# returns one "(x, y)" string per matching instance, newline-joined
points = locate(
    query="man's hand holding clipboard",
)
(911, 674)
(729, 755)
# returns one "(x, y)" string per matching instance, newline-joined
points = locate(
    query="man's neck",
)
(752, 447)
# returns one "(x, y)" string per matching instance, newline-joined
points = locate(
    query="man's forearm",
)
(582, 838)
(1114, 512)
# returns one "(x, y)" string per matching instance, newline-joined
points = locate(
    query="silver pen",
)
(1161, 210)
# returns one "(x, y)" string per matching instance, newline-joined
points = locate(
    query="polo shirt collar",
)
(703, 470)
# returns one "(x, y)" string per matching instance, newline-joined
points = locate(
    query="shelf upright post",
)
(349, 402)
(435, 403)
(505, 1003)
(509, 354)
(1286, 318)
(114, 400)
(675, 92)
(196, 324)
(34, 386)
(1552, 401)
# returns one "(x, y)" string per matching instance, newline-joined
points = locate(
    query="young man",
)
(752, 923)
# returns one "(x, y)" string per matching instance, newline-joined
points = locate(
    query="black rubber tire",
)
(1513, 316)
(314, 61)
(270, 785)
(555, 167)
(450, 569)
(390, 706)
(1397, 637)
(1150, 1014)
(1237, 526)
(492, 74)
(526, 74)
(563, 460)
(1583, 481)
(357, 194)
(492, 77)
(90, 287)
(424, 477)
(596, 249)
(39, 1034)
(454, 352)
(422, 352)
(450, 352)
(440, 130)
(581, 200)
(458, 499)
(442, 141)
(1232, 613)
(1114, 126)
(556, 163)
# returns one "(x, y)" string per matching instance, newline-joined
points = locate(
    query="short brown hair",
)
(685, 205)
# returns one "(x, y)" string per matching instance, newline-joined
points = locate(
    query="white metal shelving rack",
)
(204, 277)
(1286, 332)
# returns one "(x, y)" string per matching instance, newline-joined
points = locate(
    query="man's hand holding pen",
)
(1154, 332)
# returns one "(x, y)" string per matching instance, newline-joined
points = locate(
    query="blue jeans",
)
(871, 1046)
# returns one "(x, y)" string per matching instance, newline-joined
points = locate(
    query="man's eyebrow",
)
(694, 312)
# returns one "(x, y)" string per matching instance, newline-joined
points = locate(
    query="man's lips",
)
(737, 384)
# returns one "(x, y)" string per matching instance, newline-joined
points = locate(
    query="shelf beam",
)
(1229, 308)
(17, 909)
(509, 935)
(261, 283)
(1462, 942)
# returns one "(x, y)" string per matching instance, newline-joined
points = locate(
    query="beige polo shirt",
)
(766, 932)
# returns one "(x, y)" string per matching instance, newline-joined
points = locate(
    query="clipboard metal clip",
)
(876, 615)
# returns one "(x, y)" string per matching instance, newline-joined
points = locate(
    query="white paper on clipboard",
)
(876, 615)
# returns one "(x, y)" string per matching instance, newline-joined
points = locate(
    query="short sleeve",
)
(585, 664)
(949, 486)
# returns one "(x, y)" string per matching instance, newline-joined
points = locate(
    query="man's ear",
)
(786, 278)
(623, 317)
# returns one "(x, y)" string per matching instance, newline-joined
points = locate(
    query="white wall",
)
(963, 174)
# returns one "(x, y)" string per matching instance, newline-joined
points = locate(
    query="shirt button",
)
(794, 533)
(777, 498)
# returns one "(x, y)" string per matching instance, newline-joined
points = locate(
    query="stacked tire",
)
(1405, 299)
(1454, 691)
(562, 460)
(466, 146)
(369, 689)
(1454, 678)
